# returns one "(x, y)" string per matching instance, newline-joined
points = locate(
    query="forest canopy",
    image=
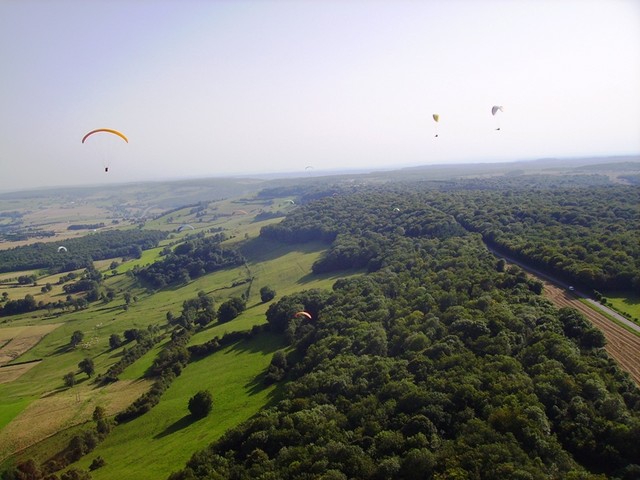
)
(438, 363)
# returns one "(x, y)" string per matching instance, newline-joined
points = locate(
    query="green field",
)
(10, 410)
(162, 440)
(629, 304)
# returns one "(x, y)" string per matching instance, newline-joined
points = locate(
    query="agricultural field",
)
(14, 341)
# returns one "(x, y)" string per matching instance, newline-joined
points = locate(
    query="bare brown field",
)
(64, 215)
(17, 340)
(622, 345)
(63, 409)
(57, 218)
(9, 373)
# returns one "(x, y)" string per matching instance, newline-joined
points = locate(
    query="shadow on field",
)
(62, 349)
(263, 249)
(314, 277)
(176, 426)
(263, 343)
(257, 384)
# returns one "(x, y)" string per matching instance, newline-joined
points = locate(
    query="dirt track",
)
(622, 345)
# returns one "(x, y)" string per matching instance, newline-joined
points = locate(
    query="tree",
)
(230, 309)
(267, 294)
(131, 334)
(87, 366)
(201, 404)
(114, 341)
(99, 413)
(76, 338)
(97, 463)
(75, 474)
(69, 379)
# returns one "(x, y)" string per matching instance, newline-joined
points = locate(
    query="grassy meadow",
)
(160, 441)
(629, 304)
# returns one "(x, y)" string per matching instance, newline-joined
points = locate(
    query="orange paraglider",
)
(303, 314)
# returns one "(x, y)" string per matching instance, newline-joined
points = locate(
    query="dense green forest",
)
(190, 259)
(439, 363)
(80, 252)
(587, 235)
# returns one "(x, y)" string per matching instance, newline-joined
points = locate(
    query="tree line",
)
(80, 252)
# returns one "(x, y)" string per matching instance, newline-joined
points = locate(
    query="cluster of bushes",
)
(217, 343)
(198, 311)
(14, 307)
(188, 260)
(85, 226)
(145, 339)
(166, 367)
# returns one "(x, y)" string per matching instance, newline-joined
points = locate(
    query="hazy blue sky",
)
(208, 88)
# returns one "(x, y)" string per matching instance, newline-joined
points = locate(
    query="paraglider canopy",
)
(104, 144)
(495, 109)
(106, 130)
(184, 227)
(436, 118)
(62, 248)
(239, 212)
(303, 314)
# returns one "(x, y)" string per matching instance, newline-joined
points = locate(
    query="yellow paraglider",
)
(106, 130)
(436, 118)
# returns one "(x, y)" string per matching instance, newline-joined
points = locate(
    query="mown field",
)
(629, 304)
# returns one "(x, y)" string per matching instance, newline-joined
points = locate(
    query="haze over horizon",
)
(255, 87)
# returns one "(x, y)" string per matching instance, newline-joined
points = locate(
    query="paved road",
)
(564, 285)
